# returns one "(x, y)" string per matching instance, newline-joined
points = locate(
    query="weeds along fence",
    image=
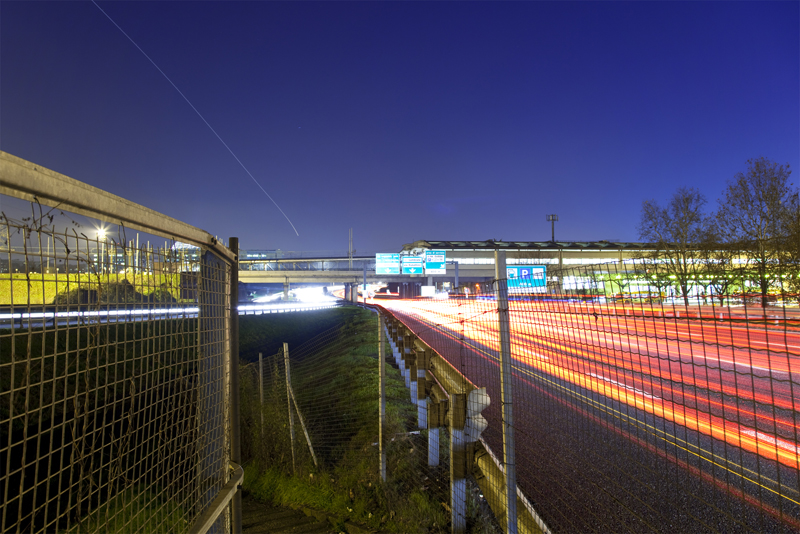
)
(628, 409)
(115, 364)
(321, 429)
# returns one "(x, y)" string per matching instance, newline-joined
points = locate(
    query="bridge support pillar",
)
(286, 289)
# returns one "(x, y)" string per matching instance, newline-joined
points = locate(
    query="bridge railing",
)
(634, 408)
(117, 411)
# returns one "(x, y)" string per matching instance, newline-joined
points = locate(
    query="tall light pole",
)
(552, 218)
(101, 235)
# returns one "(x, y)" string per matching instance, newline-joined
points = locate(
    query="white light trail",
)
(199, 115)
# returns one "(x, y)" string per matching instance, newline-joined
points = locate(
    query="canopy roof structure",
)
(491, 244)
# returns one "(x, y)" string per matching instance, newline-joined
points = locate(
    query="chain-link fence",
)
(322, 428)
(114, 364)
(633, 407)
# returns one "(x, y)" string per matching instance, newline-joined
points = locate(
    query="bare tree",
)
(676, 231)
(752, 215)
(720, 273)
(790, 249)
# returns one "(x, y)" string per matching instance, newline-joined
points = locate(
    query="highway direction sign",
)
(435, 262)
(387, 263)
(411, 264)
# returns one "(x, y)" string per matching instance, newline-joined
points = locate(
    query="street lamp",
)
(552, 219)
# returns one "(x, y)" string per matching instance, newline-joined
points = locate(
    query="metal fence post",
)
(382, 388)
(289, 401)
(236, 451)
(509, 461)
(261, 390)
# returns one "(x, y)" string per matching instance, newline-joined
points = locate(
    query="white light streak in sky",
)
(199, 115)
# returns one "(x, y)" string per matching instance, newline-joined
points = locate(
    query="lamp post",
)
(101, 235)
(552, 219)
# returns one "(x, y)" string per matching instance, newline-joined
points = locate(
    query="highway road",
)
(637, 422)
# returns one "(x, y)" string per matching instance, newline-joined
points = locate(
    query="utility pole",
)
(350, 251)
(552, 219)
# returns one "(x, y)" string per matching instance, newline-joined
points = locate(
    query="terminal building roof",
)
(491, 244)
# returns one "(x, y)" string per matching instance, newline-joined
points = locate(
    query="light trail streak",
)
(198, 114)
(10, 319)
(565, 354)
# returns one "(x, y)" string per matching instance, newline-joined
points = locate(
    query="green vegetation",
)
(103, 395)
(134, 510)
(267, 333)
(101, 362)
(336, 384)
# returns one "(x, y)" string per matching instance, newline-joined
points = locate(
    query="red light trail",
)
(736, 382)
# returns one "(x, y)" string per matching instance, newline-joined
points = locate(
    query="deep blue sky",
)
(404, 121)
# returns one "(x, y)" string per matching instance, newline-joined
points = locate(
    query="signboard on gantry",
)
(435, 262)
(387, 263)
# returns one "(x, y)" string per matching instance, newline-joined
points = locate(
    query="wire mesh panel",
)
(639, 405)
(323, 429)
(113, 374)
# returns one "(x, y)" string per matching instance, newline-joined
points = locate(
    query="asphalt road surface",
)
(640, 422)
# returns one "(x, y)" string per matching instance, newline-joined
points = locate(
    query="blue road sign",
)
(387, 263)
(412, 264)
(435, 262)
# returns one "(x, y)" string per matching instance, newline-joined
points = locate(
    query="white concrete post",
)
(420, 400)
(458, 482)
(433, 446)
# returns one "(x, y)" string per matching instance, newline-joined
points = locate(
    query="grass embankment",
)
(336, 385)
(43, 288)
(267, 333)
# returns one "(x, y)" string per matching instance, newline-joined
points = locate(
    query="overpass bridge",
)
(467, 262)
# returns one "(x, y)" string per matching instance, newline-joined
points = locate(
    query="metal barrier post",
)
(405, 350)
(433, 446)
(236, 449)
(458, 464)
(421, 365)
(506, 391)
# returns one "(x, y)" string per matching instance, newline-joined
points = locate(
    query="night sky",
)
(404, 121)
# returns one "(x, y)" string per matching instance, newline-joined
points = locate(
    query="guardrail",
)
(446, 399)
(118, 410)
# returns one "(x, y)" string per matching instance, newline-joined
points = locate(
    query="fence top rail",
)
(27, 181)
